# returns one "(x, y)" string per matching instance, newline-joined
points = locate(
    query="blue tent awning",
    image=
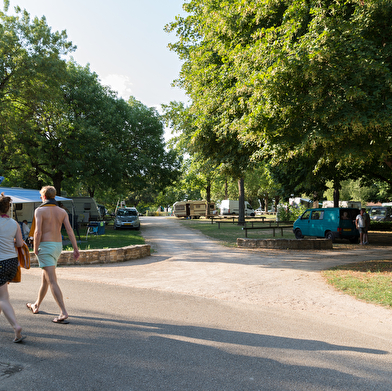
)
(22, 196)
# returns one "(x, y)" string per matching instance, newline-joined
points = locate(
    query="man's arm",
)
(37, 230)
(71, 236)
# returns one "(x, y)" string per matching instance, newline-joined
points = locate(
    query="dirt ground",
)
(376, 239)
(183, 261)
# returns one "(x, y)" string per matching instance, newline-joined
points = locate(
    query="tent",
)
(23, 196)
(25, 201)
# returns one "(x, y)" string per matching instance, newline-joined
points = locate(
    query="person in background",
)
(10, 235)
(25, 230)
(360, 223)
(367, 226)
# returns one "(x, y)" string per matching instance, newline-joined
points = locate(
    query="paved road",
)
(198, 316)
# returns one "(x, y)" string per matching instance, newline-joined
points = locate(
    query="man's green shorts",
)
(48, 253)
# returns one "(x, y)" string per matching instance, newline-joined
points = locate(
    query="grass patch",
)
(110, 239)
(370, 281)
(228, 232)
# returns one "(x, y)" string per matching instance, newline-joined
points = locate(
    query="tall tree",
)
(291, 76)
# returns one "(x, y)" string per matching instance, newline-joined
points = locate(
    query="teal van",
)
(329, 223)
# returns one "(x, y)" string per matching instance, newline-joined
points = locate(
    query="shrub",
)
(381, 225)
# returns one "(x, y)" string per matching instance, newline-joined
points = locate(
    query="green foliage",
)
(60, 126)
(357, 190)
(287, 212)
(304, 83)
(380, 225)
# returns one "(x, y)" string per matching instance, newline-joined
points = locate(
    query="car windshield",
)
(126, 212)
(378, 212)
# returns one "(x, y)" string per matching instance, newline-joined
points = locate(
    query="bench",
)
(262, 218)
(281, 227)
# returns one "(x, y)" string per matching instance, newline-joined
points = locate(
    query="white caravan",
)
(232, 207)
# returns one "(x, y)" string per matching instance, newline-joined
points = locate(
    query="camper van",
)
(192, 209)
(329, 223)
(86, 209)
(231, 207)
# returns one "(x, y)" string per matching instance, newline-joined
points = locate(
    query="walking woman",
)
(9, 230)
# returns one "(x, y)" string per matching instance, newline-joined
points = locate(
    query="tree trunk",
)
(208, 191)
(91, 192)
(57, 179)
(266, 203)
(315, 200)
(277, 198)
(241, 216)
(226, 191)
(336, 193)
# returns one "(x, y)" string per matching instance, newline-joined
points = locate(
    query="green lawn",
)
(111, 239)
(368, 281)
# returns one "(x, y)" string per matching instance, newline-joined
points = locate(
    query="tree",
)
(321, 81)
(31, 70)
(292, 78)
(207, 78)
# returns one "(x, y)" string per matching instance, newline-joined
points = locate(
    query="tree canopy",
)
(278, 80)
(61, 126)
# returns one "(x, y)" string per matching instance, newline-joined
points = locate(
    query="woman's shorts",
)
(362, 230)
(48, 253)
(8, 269)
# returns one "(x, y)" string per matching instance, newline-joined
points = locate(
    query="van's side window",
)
(306, 215)
(318, 215)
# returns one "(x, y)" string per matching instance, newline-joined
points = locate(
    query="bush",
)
(288, 212)
(380, 225)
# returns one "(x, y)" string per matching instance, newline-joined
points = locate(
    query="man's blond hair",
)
(49, 192)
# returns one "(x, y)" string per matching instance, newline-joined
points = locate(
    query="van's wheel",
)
(298, 234)
(329, 235)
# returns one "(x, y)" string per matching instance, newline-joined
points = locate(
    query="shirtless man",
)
(48, 246)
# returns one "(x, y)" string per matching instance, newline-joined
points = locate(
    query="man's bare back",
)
(49, 220)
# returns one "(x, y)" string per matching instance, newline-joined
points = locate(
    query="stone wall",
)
(286, 244)
(110, 255)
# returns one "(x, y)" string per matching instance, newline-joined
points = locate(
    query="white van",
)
(232, 207)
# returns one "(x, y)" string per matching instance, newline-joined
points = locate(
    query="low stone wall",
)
(286, 244)
(109, 255)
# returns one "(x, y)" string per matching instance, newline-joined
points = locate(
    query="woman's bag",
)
(18, 276)
(24, 256)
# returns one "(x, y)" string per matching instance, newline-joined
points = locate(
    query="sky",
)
(122, 40)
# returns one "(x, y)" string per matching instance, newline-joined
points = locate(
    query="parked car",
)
(127, 218)
(329, 223)
(259, 211)
(380, 213)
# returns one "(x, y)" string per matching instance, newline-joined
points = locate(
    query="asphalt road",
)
(198, 316)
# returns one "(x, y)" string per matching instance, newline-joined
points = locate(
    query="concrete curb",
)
(292, 244)
(108, 255)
